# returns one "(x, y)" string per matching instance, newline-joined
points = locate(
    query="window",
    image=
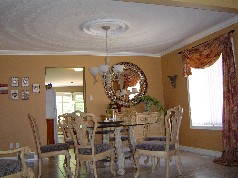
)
(69, 102)
(206, 96)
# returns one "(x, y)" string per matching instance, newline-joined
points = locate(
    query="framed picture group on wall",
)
(25, 82)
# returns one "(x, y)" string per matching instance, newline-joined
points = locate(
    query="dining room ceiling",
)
(74, 27)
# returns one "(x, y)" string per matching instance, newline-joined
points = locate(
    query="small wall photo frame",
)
(3, 88)
(36, 88)
(25, 94)
(25, 81)
(14, 94)
(14, 81)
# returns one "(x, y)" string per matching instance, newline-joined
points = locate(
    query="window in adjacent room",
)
(69, 102)
(206, 96)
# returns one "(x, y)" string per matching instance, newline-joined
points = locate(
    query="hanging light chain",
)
(104, 70)
(106, 43)
(106, 28)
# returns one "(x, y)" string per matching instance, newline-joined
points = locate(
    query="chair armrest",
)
(22, 150)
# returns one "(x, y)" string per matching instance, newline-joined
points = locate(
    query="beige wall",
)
(14, 125)
(172, 65)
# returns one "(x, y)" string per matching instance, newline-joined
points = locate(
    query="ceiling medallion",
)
(94, 27)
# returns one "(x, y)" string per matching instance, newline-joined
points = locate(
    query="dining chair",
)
(51, 150)
(15, 167)
(163, 149)
(83, 130)
(63, 121)
(161, 136)
(155, 130)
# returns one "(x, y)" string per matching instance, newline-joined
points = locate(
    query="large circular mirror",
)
(127, 89)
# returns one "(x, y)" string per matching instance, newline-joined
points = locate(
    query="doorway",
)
(65, 93)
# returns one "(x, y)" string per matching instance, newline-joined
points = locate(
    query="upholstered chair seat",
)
(159, 138)
(9, 166)
(16, 167)
(54, 147)
(154, 146)
(99, 148)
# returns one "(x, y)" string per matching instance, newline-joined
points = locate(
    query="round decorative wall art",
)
(131, 87)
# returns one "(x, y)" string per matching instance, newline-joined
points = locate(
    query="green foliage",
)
(150, 101)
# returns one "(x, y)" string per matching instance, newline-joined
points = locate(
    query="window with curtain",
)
(206, 96)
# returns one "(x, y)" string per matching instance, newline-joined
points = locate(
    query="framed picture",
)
(14, 81)
(14, 94)
(3, 88)
(36, 88)
(25, 94)
(25, 81)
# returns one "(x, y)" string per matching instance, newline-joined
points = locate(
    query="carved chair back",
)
(172, 124)
(63, 121)
(77, 113)
(83, 130)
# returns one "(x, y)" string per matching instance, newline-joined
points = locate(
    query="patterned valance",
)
(203, 55)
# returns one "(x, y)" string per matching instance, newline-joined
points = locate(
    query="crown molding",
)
(79, 53)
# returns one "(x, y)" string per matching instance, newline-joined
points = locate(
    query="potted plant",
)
(150, 101)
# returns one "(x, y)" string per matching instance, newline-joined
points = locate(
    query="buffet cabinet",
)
(145, 124)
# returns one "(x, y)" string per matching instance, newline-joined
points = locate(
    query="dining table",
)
(115, 127)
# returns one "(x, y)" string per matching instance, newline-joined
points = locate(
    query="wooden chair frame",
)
(64, 125)
(172, 125)
(83, 130)
(48, 154)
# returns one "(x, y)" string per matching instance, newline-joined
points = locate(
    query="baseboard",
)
(201, 151)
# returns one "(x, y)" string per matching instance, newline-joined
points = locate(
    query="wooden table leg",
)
(132, 143)
(119, 152)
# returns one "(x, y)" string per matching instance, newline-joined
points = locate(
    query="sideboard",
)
(147, 123)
